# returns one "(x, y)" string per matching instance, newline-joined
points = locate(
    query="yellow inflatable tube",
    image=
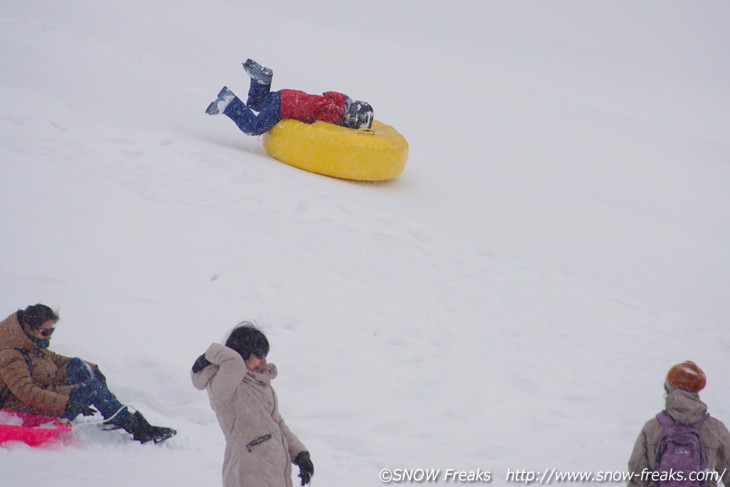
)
(377, 154)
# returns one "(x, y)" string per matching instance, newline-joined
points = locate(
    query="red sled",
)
(31, 429)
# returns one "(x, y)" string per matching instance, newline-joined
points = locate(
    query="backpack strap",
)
(665, 419)
(5, 390)
(26, 357)
(702, 420)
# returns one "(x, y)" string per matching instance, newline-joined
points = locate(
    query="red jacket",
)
(328, 107)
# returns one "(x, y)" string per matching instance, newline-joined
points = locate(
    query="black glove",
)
(200, 363)
(74, 408)
(306, 468)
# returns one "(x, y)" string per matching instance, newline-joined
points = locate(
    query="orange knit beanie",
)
(687, 376)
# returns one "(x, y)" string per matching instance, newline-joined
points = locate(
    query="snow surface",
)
(558, 239)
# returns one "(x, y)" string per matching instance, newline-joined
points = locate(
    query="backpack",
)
(679, 451)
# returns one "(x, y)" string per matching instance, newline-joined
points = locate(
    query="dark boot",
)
(258, 73)
(221, 102)
(143, 432)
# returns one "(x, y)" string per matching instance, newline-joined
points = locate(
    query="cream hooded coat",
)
(259, 445)
(686, 408)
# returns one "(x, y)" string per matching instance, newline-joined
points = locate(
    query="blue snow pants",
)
(261, 100)
(91, 391)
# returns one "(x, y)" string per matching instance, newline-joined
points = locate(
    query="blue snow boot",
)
(221, 102)
(257, 72)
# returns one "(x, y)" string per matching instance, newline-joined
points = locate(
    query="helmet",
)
(358, 115)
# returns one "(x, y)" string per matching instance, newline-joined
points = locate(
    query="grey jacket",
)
(259, 445)
(685, 408)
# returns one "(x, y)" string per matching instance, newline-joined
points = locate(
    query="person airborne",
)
(264, 108)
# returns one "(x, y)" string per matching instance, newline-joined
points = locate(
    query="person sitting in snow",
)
(259, 445)
(35, 380)
(332, 107)
(683, 407)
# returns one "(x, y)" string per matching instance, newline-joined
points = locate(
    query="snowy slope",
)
(513, 300)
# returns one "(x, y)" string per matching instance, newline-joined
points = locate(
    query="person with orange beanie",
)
(683, 434)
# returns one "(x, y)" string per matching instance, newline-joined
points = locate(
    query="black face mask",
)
(41, 342)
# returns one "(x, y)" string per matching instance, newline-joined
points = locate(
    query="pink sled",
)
(30, 432)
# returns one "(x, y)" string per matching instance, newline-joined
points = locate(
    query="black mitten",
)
(200, 363)
(306, 468)
(74, 408)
